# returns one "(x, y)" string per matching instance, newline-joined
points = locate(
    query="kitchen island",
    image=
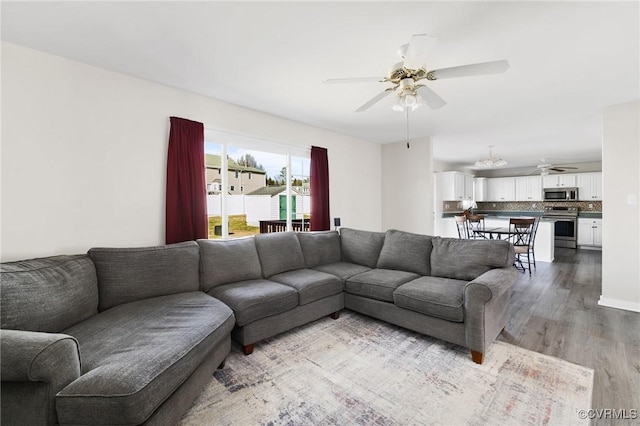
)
(543, 247)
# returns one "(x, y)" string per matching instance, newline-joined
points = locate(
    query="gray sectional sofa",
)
(130, 336)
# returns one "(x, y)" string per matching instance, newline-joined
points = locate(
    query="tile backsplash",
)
(523, 206)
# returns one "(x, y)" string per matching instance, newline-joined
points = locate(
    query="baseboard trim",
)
(619, 304)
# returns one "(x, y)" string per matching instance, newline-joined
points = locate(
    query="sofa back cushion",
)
(320, 248)
(130, 274)
(468, 259)
(48, 294)
(279, 252)
(405, 251)
(224, 262)
(361, 247)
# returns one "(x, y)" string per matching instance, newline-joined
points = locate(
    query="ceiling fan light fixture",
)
(408, 97)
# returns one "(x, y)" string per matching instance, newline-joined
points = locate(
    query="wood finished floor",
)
(556, 312)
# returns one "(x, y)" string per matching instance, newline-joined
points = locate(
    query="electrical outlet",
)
(446, 206)
(493, 205)
(534, 205)
(590, 205)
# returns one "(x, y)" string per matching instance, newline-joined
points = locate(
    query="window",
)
(273, 182)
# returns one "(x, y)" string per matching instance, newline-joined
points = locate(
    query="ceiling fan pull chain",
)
(407, 115)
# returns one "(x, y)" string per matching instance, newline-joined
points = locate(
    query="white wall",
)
(91, 144)
(620, 212)
(407, 186)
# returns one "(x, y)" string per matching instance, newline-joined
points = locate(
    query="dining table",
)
(495, 233)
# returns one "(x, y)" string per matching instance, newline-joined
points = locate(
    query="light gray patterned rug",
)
(357, 370)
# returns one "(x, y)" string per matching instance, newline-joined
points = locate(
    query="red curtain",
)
(320, 218)
(186, 210)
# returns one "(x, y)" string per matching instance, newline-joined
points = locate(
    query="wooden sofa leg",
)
(221, 366)
(477, 357)
(335, 315)
(248, 349)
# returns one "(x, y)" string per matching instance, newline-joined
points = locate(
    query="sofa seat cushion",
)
(311, 285)
(343, 270)
(256, 299)
(433, 296)
(135, 355)
(378, 283)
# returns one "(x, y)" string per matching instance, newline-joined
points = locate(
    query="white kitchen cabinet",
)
(501, 189)
(468, 187)
(559, 181)
(589, 232)
(457, 186)
(480, 189)
(528, 188)
(589, 186)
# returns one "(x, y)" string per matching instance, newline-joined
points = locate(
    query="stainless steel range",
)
(566, 226)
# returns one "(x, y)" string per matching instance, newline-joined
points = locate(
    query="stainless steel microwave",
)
(561, 194)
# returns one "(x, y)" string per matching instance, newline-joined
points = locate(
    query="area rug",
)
(357, 370)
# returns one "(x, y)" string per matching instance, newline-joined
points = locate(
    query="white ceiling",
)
(568, 61)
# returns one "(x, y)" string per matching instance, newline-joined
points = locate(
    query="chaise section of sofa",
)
(146, 339)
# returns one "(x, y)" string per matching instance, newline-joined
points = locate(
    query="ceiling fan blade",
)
(355, 80)
(377, 98)
(493, 67)
(568, 167)
(419, 48)
(431, 98)
(555, 169)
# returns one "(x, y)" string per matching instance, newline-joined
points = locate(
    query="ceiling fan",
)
(405, 75)
(546, 167)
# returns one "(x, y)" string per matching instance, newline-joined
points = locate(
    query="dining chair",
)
(461, 225)
(521, 233)
(475, 222)
(532, 253)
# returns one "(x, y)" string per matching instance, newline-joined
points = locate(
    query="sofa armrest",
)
(38, 357)
(487, 302)
(489, 285)
(27, 356)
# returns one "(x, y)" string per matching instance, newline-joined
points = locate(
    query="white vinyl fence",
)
(256, 207)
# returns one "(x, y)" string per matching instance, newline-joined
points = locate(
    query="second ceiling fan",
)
(405, 76)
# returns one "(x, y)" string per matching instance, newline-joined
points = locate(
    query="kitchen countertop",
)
(506, 214)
